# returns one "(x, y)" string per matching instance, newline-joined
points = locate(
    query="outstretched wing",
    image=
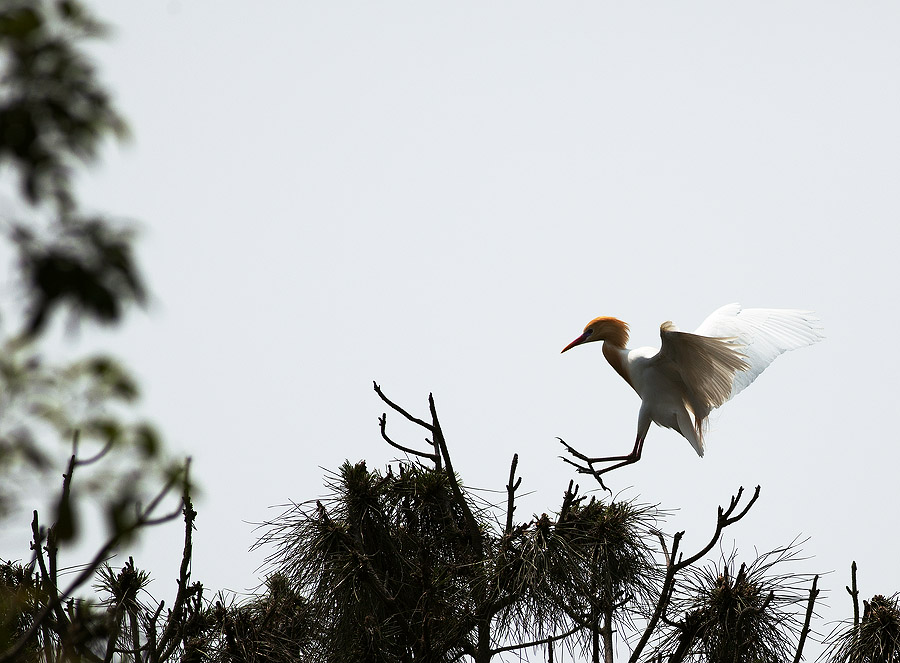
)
(705, 366)
(761, 334)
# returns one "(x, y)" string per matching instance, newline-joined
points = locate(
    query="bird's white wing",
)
(703, 367)
(762, 334)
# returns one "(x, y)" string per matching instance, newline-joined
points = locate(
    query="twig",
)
(676, 563)
(97, 456)
(511, 488)
(725, 518)
(168, 642)
(382, 422)
(570, 497)
(534, 643)
(399, 409)
(662, 543)
(48, 577)
(810, 604)
(854, 594)
(151, 627)
(88, 571)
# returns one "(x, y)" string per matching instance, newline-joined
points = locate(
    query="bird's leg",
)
(619, 461)
(632, 457)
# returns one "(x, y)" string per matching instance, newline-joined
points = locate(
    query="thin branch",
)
(168, 641)
(810, 604)
(399, 409)
(50, 579)
(755, 610)
(854, 594)
(97, 456)
(382, 422)
(88, 571)
(662, 543)
(151, 627)
(570, 497)
(115, 630)
(534, 643)
(724, 518)
(511, 488)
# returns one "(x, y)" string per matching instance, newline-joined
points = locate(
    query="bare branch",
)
(49, 578)
(725, 518)
(665, 548)
(813, 594)
(382, 422)
(399, 409)
(570, 497)
(97, 456)
(168, 642)
(534, 643)
(88, 571)
(511, 488)
(854, 594)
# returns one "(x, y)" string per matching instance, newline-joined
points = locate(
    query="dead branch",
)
(434, 456)
(549, 640)
(676, 563)
(570, 497)
(382, 422)
(397, 408)
(810, 604)
(142, 520)
(173, 631)
(511, 487)
(854, 594)
(49, 578)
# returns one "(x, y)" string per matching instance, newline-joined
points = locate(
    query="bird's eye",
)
(588, 331)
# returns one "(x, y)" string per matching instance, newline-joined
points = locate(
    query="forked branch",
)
(441, 458)
(434, 456)
(143, 518)
(676, 562)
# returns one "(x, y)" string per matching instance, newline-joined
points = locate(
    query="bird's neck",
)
(616, 354)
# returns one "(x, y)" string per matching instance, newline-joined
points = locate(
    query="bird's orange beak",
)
(578, 341)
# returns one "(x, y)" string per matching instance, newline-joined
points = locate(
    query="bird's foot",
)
(587, 463)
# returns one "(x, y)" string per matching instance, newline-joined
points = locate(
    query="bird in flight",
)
(691, 374)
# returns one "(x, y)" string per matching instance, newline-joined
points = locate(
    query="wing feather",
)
(705, 366)
(761, 334)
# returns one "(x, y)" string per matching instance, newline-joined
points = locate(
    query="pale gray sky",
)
(439, 197)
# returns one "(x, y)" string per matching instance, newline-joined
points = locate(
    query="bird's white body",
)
(661, 400)
(691, 374)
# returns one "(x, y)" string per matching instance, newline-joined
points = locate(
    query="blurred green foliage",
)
(55, 115)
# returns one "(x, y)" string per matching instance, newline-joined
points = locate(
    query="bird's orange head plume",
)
(607, 329)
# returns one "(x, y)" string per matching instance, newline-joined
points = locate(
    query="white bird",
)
(692, 374)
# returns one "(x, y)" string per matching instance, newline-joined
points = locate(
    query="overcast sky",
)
(438, 197)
